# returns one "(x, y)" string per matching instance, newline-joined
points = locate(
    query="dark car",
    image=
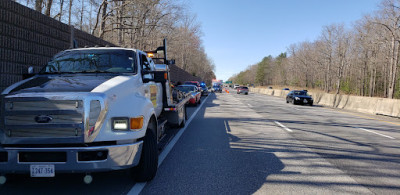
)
(243, 90)
(285, 89)
(195, 83)
(192, 90)
(204, 90)
(299, 97)
(216, 88)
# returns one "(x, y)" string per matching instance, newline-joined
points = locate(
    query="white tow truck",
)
(89, 110)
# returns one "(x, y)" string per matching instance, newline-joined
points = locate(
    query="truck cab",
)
(87, 110)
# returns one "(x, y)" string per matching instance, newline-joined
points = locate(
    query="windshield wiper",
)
(97, 71)
(51, 72)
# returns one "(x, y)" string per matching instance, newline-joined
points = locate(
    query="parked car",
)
(236, 86)
(269, 87)
(286, 89)
(195, 83)
(243, 90)
(204, 90)
(216, 88)
(193, 91)
(299, 97)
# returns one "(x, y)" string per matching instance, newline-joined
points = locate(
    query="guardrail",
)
(371, 105)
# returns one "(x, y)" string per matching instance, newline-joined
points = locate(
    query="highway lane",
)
(363, 146)
(115, 182)
(235, 145)
(233, 148)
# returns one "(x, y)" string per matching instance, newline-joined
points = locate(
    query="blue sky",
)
(239, 33)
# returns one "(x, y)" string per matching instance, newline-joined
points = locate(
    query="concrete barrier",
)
(371, 105)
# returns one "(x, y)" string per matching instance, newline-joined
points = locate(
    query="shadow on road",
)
(204, 161)
(371, 160)
(115, 182)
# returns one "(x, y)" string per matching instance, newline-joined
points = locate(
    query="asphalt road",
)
(240, 144)
(245, 144)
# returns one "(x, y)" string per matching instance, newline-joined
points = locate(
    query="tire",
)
(293, 102)
(311, 104)
(147, 168)
(183, 123)
(287, 101)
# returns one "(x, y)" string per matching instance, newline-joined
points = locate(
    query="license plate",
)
(305, 101)
(42, 171)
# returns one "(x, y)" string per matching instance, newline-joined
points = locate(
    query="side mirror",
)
(30, 70)
(147, 76)
(29, 74)
(169, 62)
(146, 80)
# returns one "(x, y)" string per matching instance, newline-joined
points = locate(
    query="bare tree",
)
(38, 5)
(70, 11)
(48, 7)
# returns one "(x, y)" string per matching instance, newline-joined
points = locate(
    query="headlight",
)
(296, 98)
(120, 123)
(124, 123)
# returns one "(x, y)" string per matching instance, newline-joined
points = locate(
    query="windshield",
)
(107, 60)
(300, 93)
(185, 89)
(191, 83)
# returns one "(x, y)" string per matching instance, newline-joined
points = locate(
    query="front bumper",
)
(192, 101)
(118, 157)
(302, 101)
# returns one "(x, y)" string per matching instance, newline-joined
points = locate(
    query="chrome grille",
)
(23, 118)
(44, 132)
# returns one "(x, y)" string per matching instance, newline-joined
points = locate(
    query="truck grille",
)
(43, 118)
(42, 157)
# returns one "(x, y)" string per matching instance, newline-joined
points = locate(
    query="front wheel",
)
(183, 123)
(147, 168)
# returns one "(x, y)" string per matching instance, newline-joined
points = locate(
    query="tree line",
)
(141, 24)
(360, 60)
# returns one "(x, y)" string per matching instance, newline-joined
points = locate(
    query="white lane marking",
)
(249, 105)
(376, 133)
(283, 126)
(138, 187)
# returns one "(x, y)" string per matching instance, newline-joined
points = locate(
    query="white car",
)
(235, 86)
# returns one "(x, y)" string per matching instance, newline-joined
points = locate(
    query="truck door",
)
(153, 90)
